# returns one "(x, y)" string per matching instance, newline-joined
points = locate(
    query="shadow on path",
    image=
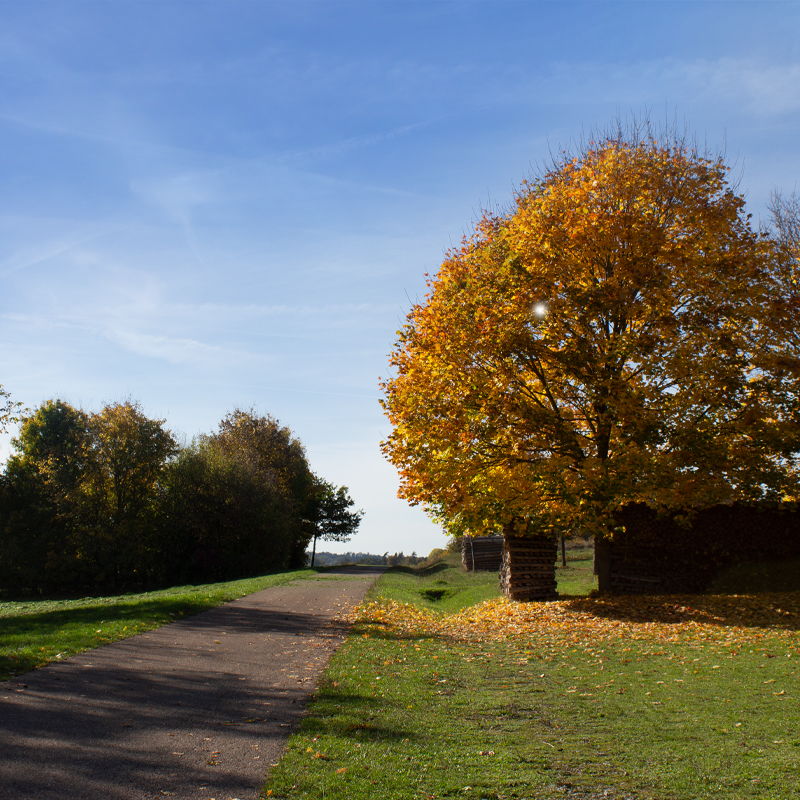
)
(197, 709)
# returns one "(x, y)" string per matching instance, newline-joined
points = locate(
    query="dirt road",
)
(197, 709)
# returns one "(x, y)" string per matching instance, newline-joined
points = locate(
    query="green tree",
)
(55, 441)
(237, 502)
(280, 458)
(603, 342)
(129, 452)
(221, 516)
(41, 529)
(128, 455)
(82, 489)
(332, 519)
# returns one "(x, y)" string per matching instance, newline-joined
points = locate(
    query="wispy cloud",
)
(32, 253)
(358, 142)
(133, 339)
(772, 89)
(175, 350)
(755, 86)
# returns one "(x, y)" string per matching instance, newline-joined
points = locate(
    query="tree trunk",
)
(602, 564)
(313, 551)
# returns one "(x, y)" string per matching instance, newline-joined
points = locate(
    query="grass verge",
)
(676, 698)
(443, 587)
(36, 632)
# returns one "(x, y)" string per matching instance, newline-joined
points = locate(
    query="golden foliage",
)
(604, 342)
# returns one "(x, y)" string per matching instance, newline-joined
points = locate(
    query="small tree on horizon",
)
(333, 521)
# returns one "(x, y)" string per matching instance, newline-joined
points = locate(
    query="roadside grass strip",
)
(36, 632)
(633, 698)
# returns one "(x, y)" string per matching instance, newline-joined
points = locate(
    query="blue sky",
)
(206, 205)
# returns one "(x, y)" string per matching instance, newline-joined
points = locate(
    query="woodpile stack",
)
(634, 583)
(653, 554)
(482, 553)
(528, 571)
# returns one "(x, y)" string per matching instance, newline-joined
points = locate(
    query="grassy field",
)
(35, 632)
(444, 588)
(675, 698)
(444, 689)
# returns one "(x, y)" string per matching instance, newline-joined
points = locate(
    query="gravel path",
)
(200, 708)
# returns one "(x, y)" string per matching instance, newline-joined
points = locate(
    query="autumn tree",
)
(780, 358)
(598, 344)
(785, 210)
(331, 516)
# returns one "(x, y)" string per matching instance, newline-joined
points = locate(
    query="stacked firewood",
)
(481, 553)
(528, 570)
(635, 583)
(652, 553)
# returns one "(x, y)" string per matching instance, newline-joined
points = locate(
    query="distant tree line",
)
(397, 560)
(324, 559)
(110, 502)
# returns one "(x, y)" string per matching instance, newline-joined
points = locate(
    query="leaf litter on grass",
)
(725, 620)
(588, 642)
(607, 697)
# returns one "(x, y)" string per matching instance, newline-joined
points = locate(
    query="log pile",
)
(634, 569)
(653, 554)
(481, 553)
(528, 570)
(634, 583)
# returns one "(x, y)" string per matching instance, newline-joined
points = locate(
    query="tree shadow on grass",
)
(74, 628)
(778, 610)
(353, 716)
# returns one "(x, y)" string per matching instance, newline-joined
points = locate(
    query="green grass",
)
(645, 719)
(36, 632)
(577, 579)
(443, 587)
